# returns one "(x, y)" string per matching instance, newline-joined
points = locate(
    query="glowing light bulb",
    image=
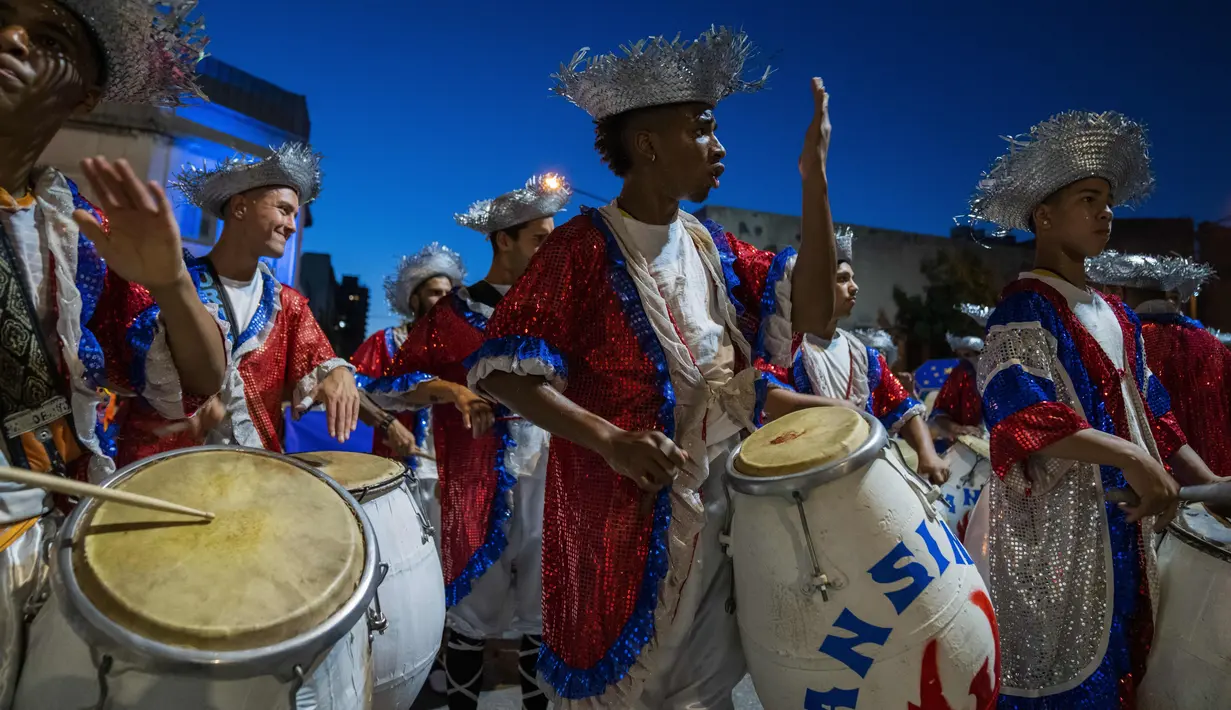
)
(552, 182)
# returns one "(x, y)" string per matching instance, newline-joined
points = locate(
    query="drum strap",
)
(36, 416)
(212, 290)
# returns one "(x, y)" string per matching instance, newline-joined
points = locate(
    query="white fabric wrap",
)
(779, 334)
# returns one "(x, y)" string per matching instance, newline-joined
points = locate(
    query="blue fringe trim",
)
(727, 256)
(264, 310)
(140, 337)
(497, 539)
(769, 301)
(391, 348)
(874, 380)
(90, 280)
(575, 683)
(400, 384)
(522, 348)
(1171, 319)
(892, 418)
(477, 320)
(423, 420)
(800, 374)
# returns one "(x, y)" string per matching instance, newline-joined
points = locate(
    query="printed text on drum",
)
(885, 572)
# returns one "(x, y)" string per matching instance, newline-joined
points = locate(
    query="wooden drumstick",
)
(89, 490)
(1218, 494)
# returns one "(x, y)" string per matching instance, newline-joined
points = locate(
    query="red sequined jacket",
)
(477, 474)
(959, 398)
(282, 354)
(576, 319)
(371, 360)
(1196, 370)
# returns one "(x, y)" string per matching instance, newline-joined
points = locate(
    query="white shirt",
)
(834, 359)
(503, 289)
(245, 298)
(677, 269)
(1097, 317)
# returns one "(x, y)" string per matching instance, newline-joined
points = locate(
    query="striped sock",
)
(532, 697)
(464, 671)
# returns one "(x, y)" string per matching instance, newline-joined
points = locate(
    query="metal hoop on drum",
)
(795, 487)
(279, 660)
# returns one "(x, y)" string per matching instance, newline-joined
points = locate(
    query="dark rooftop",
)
(240, 91)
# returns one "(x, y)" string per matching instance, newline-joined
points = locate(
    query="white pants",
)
(515, 580)
(23, 575)
(699, 659)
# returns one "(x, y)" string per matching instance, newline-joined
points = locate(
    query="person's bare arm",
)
(1147, 477)
(647, 457)
(193, 336)
(812, 279)
(1190, 469)
(780, 402)
(370, 413)
(931, 465)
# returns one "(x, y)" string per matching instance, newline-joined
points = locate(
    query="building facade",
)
(884, 258)
(245, 115)
(340, 308)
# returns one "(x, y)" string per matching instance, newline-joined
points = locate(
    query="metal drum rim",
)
(278, 659)
(786, 486)
(365, 494)
(1197, 541)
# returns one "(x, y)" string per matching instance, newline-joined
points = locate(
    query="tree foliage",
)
(954, 276)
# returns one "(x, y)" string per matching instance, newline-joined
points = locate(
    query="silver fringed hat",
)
(844, 237)
(543, 196)
(150, 48)
(880, 340)
(657, 72)
(435, 259)
(1157, 273)
(293, 165)
(1060, 151)
(966, 342)
(975, 312)
(1224, 338)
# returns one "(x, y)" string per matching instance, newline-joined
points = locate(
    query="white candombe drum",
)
(263, 608)
(1190, 661)
(850, 589)
(410, 602)
(970, 467)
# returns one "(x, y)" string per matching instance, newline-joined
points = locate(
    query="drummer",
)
(958, 409)
(492, 472)
(836, 364)
(419, 282)
(278, 350)
(72, 310)
(1189, 360)
(1067, 571)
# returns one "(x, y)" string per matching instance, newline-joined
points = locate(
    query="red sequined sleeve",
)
(372, 357)
(429, 346)
(309, 356)
(1020, 404)
(549, 314)
(762, 290)
(890, 401)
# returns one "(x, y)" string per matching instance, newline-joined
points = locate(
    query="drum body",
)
(1190, 661)
(854, 593)
(969, 470)
(151, 610)
(411, 597)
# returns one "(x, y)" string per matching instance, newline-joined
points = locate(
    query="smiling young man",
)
(836, 364)
(278, 351)
(633, 339)
(1073, 410)
(492, 468)
(72, 323)
(1190, 361)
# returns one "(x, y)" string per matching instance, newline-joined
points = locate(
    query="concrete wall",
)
(884, 258)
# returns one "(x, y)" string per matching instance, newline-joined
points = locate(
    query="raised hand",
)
(141, 240)
(341, 399)
(815, 155)
(647, 458)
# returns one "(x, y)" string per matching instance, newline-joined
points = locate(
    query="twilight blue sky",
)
(421, 108)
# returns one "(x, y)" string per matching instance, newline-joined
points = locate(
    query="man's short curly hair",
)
(609, 142)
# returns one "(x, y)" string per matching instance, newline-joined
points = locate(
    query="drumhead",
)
(284, 553)
(802, 441)
(1195, 526)
(354, 471)
(982, 447)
